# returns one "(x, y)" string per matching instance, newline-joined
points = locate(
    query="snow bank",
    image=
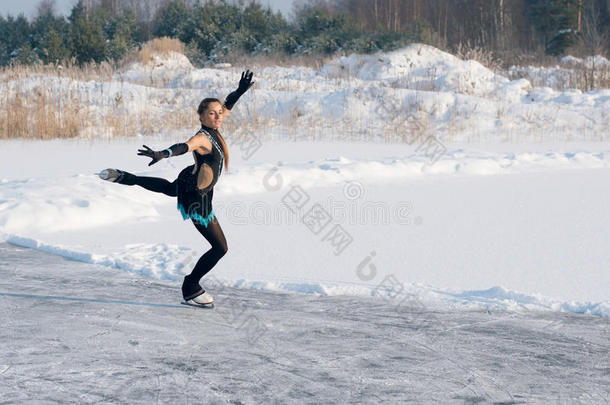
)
(418, 67)
(501, 298)
(42, 204)
(569, 74)
(166, 262)
(588, 62)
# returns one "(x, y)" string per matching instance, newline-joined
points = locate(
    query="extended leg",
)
(155, 184)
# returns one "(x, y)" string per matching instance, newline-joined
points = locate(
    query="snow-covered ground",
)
(80, 333)
(499, 227)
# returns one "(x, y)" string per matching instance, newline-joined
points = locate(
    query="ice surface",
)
(79, 333)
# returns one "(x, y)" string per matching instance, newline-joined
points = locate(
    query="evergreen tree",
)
(54, 48)
(49, 35)
(556, 21)
(264, 30)
(15, 34)
(26, 55)
(86, 35)
(201, 27)
(215, 29)
(122, 31)
(170, 19)
(4, 52)
(323, 33)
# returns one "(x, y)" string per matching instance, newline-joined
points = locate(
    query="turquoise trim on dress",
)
(205, 221)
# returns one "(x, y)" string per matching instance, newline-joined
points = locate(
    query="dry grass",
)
(159, 46)
(60, 101)
(48, 102)
(33, 109)
(481, 55)
(565, 76)
(262, 61)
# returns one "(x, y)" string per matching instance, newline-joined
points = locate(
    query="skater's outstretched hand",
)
(245, 82)
(156, 156)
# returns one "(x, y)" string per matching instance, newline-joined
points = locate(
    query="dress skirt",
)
(194, 203)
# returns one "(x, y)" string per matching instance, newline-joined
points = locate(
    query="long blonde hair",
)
(204, 106)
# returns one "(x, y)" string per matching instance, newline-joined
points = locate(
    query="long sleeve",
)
(232, 99)
(175, 150)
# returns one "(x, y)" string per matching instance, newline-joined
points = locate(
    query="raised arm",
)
(244, 84)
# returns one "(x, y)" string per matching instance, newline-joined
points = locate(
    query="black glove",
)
(245, 82)
(156, 156)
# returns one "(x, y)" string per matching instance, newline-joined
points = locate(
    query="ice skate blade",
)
(190, 303)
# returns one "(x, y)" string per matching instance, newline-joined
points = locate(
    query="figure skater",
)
(194, 186)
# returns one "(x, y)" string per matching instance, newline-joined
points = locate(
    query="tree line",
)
(503, 26)
(214, 30)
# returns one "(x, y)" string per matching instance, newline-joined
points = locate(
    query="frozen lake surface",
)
(74, 332)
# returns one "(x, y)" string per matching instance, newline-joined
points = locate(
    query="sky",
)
(28, 7)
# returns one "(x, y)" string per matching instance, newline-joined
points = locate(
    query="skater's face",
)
(212, 116)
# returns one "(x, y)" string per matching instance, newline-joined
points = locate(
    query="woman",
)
(194, 186)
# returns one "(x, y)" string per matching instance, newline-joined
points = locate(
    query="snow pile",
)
(589, 62)
(167, 262)
(418, 67)
(501, 298)
(159, 70)
(571, 73)
(42, 204)
(156, 261)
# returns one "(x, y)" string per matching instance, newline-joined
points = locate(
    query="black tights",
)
(212, 233)
(155, 184)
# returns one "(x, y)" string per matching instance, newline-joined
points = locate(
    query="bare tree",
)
(45, 7)
(594, 39)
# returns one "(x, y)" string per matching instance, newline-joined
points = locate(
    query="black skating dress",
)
(192, 202)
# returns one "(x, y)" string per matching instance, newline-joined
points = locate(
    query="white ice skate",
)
(110, 174)
(203, 299)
